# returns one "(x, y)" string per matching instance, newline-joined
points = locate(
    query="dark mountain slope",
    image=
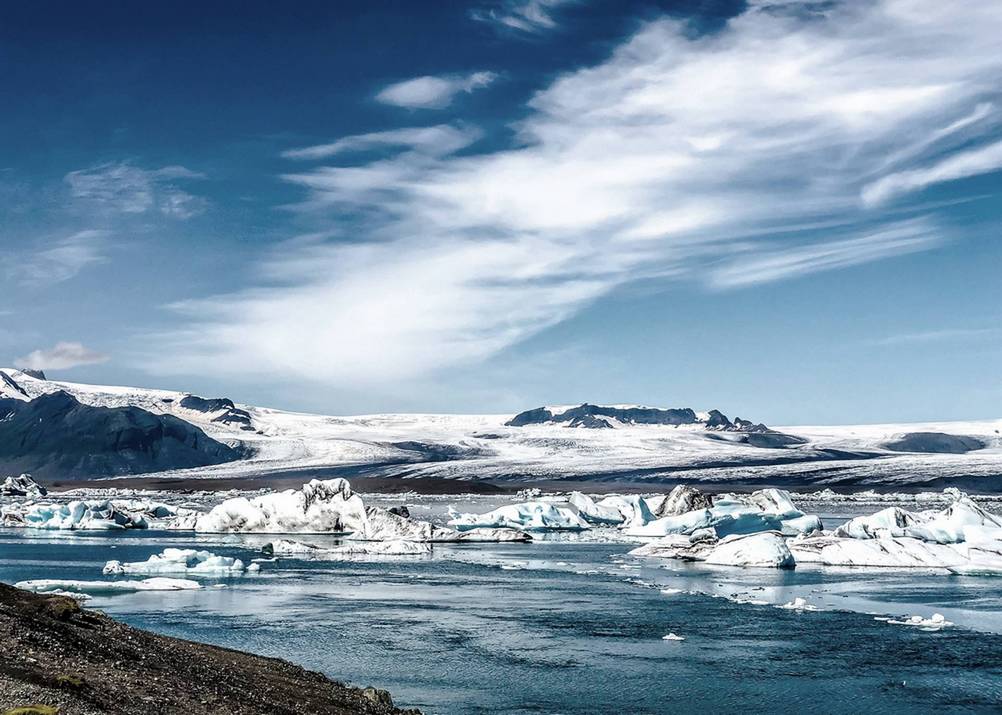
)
(55, 436)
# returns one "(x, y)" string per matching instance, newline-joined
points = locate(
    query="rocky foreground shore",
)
(59, 658)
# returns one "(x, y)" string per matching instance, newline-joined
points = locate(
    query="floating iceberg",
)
(92, 587)
(680, 500)
(319, 507)
(935, 623)
(767, 549)
(531, 516)
(395, 547)
(185, 562)
(93, 515)
(71, 516)
(672, 637)
(799, 604)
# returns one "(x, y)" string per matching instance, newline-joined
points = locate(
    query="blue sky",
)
(788, 211)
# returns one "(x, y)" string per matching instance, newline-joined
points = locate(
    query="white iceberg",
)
(767, 549)
(529, 516)
(672, 637)
(50, 585)
(394, 547)
(185, 562)
(936, 622)
(75, 515)
(319, 507)
(799, 604)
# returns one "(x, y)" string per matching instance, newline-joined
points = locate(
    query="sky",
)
(788, 211)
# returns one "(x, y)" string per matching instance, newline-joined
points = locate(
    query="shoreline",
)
(73, 661)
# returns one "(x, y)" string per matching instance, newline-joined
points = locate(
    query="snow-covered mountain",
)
(634, 444)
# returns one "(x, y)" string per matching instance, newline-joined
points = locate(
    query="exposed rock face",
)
(630, 415)
(934, 443)
(590, 422)
(22, 486)
(9, 387)
(718, 420)
(681, 500)
(56, 437)
(37, 374)
(231, 414)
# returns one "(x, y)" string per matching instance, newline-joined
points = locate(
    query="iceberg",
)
(186, 562)
(395, 547)
(886, 552)
(93, 515)
(799, 604)
(767, 549)
(50, 585)
(936, 622)
(611, 510)
(530, 516)
(72, 516)
(319, 507)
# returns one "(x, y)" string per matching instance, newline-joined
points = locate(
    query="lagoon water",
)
(569, 625)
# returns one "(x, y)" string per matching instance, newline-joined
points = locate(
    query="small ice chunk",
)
(673, 637)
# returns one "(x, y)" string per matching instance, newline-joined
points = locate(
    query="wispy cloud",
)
(124, 188)
(790, 262)
(937, 336)
(430, 92)
(529, 16)
(734, 159)
(969, 163)
(60, 259)
(437, 140)
(61, 356)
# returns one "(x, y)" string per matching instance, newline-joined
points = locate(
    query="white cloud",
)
(982, 160)
(124, 188)
(531, 16)
(937, 336)
(430, 92)
(61, 259)
(436, 141)
(61, 356)
(783, 263)
(733, 159)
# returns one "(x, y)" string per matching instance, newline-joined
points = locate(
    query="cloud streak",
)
(430, 92)
(527, 16)
(730, 159)
(61, 259)
(61, 356)
(127, 189)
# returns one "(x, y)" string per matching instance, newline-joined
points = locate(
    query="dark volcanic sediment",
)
(54, 653)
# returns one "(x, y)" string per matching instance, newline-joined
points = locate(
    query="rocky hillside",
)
(63, 659)
(56, 436)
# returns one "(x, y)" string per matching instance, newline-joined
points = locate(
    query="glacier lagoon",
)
(568, 624)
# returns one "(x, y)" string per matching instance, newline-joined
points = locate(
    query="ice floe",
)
(672, 637)
(394, 547)
(157, 583)
(93, 515)
(531, 516)
(185, 562)
(934, 623)
(799, 604)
